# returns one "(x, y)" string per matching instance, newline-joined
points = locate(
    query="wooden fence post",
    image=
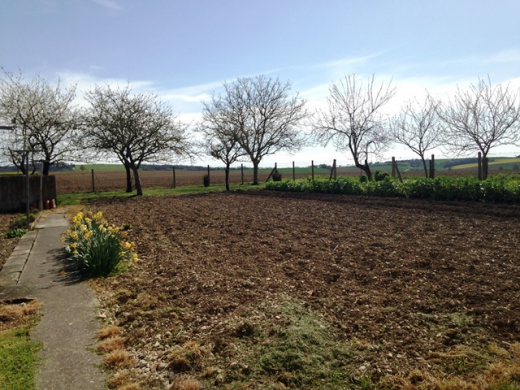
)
(274, 169)
(333, 170)
(174, 184)
(40, 201)
(209, 179)
(393, 167)
(293, 172)
(93, 186)
(242, 170)
(479, 166)
(312, 169)
(432, 167)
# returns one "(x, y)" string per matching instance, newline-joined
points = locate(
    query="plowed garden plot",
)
(263, 290)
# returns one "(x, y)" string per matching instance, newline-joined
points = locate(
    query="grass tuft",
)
(111, 344)
(117, 358)
(109, 331)
(185, 383)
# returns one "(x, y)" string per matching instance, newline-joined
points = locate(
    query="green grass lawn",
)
(18, 357)
(84, 197)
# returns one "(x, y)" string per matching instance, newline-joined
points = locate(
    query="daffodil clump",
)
(96, 246)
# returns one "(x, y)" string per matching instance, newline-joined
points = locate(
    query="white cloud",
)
(504, 56)
(347, 62)
(108, 4)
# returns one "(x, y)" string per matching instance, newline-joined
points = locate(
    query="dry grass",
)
(15, 315)
(129, 386)
(189, 356)
(111, 344)
(500, 374)
(185, 383)
(108, 332)
(117, 358)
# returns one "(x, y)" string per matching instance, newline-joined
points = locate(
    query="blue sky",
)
(184, 50)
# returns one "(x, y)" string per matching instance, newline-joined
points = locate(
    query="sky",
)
(185, 50)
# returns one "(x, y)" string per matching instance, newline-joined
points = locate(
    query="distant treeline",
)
(53, 168)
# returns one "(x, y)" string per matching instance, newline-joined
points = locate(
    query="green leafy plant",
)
(95, 246)
(15, 233)
(501, 188)
(21, 222)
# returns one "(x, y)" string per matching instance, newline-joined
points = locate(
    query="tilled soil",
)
(407, 284)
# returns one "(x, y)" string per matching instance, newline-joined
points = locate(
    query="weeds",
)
(15, 233)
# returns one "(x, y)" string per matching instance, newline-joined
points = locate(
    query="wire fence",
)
(93, 181)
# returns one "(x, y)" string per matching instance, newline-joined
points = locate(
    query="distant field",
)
(99, 167)
(497, 162)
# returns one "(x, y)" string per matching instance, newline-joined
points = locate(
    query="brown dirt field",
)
(71, 182)
(410, 286)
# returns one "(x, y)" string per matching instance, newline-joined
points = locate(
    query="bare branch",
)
(135, 127)
(481, 118)
(353, 120)
(418, 127)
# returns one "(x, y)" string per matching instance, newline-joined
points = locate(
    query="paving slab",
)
(68, 324)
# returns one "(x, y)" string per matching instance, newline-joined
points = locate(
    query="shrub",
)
(380, 176)
(277, 176)
(95, 246)
(501, 188)
(205, 180)
(15, 233)
(21, 222)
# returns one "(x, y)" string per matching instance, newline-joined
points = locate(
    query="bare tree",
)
(265, 116)
(353, 119)
(44, 118)
(135, 127)
(220, 133)
(418, 127)
(481, 118)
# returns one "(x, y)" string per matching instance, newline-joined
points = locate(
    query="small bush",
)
(277, 176)
(95, 246)
(21, 222)
(15, 233)
(205, 180)
(380, 176)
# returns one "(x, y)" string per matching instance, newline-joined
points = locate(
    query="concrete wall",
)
(13, 196)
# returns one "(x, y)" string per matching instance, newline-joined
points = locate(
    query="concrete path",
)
(68, 324)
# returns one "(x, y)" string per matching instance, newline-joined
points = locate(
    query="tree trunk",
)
(365, 168)
(128, 178)
(227, 177)
(137, 182)
(46, 166)
(255, 173)
(424, 166)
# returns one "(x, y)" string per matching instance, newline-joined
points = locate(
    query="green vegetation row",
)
(501, 188)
